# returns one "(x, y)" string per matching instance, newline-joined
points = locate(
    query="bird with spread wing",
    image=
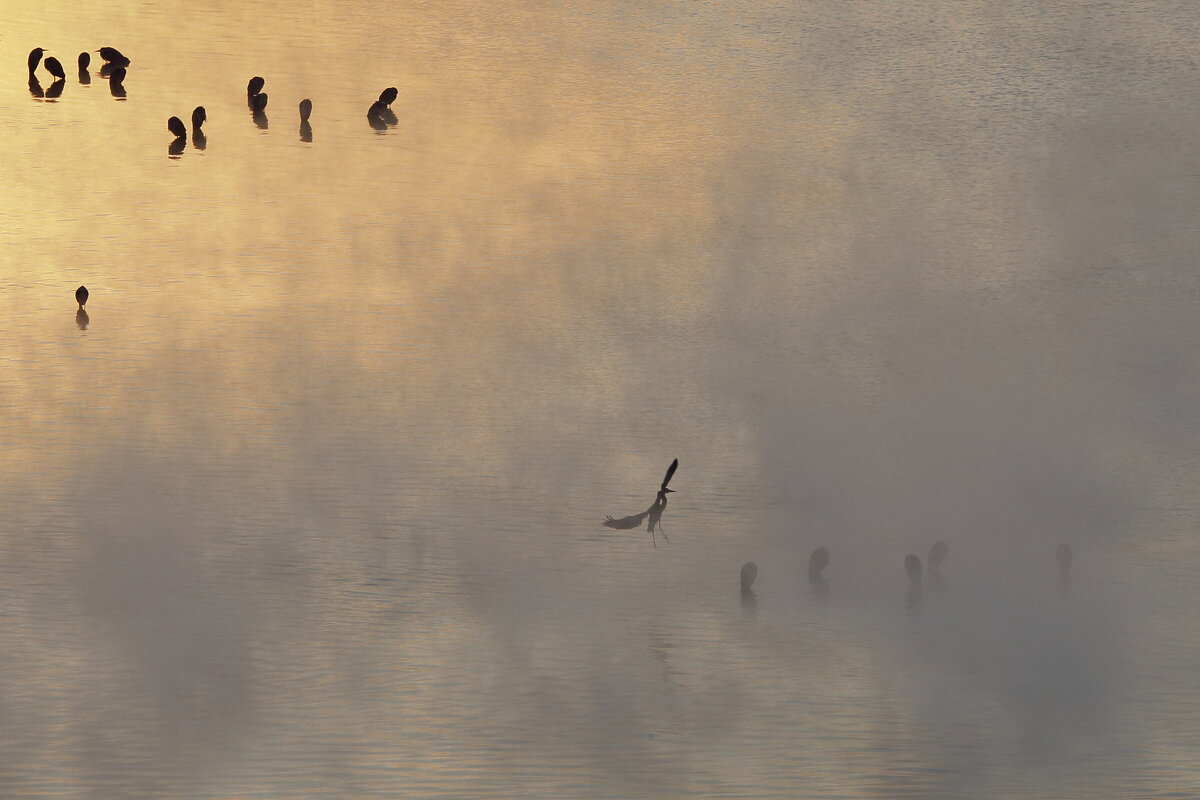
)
(653, 513)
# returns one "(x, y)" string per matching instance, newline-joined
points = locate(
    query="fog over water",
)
(308, 501)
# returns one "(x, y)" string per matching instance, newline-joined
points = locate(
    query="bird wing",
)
(626, 523)
(670, 471)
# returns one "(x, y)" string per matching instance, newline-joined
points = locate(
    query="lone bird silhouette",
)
(749, 573)
(388, 95)
(817, 562)
(654, 512)
(35, 58)
(85, 60)
(81, 296)
(199, 115)
(305, 109)
(113, 56)
(54, 67)
(253, 88)
(175, 125)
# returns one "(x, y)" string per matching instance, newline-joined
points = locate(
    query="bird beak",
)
(668, 490)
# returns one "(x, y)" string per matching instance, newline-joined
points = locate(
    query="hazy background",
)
(311, 508)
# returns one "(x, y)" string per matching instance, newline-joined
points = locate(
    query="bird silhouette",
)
(653, 513)
(389, 95)
(749, 573)
(376, 115)
(175, 125)
(35, 58)
(817, 562)
(199, 115)
(85, 59)
(54, 67)
(81, 296)
(306, 133)
(253, 88)
(113, 56)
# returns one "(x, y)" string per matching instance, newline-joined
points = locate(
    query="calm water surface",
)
(309, 504)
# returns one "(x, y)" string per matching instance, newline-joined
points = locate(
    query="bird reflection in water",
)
(175, 125)
(816, 563)
(305, 112)
(375, 116)
(85, 60)
(199, 140)
(748, 574)
(56, 89)
(912, 566)
(258, 109)
(1063, 555)
(35, 87)
(653, 513)
(937, 556)
(81, 319)
(116, 82)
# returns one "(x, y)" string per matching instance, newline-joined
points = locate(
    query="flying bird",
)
(654, 512)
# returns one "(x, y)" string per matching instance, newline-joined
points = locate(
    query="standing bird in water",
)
(817, 562)
(654, 512)
(35, 58)
(175, 125)
(85, 59)
(305, 113)
(81, 296)
(749, 573)
(254, 87)
(113, 56)
(54, 67)
(198, 117)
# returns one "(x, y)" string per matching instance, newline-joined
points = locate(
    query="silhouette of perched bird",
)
(113, 56)
(817, 562)
(198, 117)
(654, 512)
(305, 109)
(81, 296)
(85, 60)
(254, 87)
(175, 125)
(749, 573)
(388, 95)
(54, 67)
(35, 58)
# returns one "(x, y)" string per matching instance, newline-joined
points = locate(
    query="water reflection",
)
(116, 78)
(81, 319)
(1062, 556)
(56, 89)
(35, 87)
(258, 109)
(912, 597)
(176, 147)
(817, 582)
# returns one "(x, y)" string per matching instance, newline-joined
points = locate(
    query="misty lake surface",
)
(307, 503)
